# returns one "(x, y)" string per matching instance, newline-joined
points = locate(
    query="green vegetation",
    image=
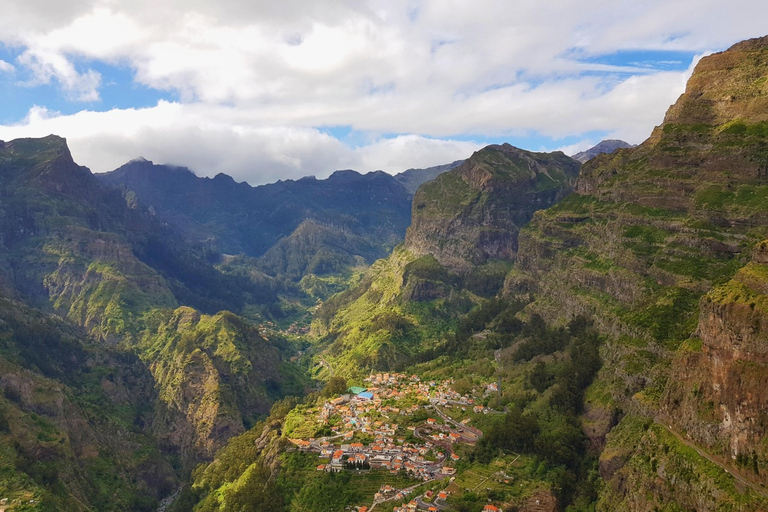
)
(649, 449)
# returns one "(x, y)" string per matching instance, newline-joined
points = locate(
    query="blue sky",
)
(118, 90)
(265, 90)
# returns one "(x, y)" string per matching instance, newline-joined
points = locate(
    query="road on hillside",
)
(325, 363)
(755, 487)
(460, 426)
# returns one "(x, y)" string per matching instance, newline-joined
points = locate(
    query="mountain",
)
(471, 215)
(607, 321)
(368, 212)
(605, 146)
(115, 382)
(662, 245)
(622, 361)
(460, 244)
(412, 179)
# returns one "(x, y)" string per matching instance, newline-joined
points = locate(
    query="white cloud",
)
(199, 137)
(413, 151)
(256, 79)
(6, 67)
(46, 66)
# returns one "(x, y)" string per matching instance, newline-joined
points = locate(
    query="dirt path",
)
(325, 363)
(755, 487)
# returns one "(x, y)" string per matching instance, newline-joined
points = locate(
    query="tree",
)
(335, 386)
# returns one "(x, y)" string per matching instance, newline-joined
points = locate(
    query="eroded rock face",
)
(211, 372)
(718, 391)
(648, 232)
(473, 213)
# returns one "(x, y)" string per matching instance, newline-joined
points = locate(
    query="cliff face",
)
(472, 214)
(648, 232)
(212, 373)
(73, 420)
(458, 247)
(717, 391)
(650, 229)
(114, 277)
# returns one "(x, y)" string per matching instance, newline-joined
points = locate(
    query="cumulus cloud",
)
(47, 66)
(6, 67)
(201, 138)
(258, 81)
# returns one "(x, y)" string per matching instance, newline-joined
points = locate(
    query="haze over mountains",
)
(609, 319)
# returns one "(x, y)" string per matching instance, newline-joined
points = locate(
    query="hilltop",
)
(604, 146)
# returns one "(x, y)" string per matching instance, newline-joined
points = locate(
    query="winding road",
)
(755, 487)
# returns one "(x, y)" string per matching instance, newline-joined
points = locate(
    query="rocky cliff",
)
(647, 234)
(472, 214)
(457, 249)
(96, 265)
(717, 392)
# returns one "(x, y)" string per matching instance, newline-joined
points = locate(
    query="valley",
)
(515, 331)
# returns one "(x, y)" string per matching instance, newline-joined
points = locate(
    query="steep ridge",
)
(666, 219)
(648, 232)
(71, 243)
(73, 420)
(471, 215)
(414, 178)
(369, 211)
(458, 248)
(73, 247)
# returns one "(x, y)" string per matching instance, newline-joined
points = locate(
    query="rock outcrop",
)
(472, 214)
(642, 246)
(717, 392)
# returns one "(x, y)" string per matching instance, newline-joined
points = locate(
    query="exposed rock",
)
(472, 214)
(717, 393)
(647, 233)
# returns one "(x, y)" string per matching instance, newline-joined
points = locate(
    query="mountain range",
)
(610, 318)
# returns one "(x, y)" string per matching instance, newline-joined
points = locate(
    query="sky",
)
(268, 90)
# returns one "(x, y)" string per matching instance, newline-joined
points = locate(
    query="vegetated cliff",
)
(648, 232)
(73, 420)
(74, 247)
(372, 326)
(471, 215)
(289, 225)
(717, 392)
(458, 249)
(212, 373)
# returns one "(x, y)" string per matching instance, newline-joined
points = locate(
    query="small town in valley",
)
(397, 423)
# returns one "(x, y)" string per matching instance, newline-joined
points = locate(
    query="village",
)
(396, 423)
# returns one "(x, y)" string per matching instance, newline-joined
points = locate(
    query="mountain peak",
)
(604, 146)
(726, 86)
(463, 217)
(345, 175)
(412, 179)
